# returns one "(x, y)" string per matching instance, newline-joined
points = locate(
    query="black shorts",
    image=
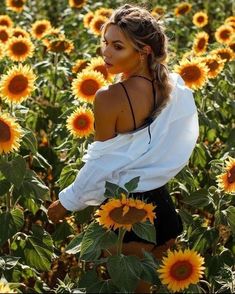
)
(168, 222)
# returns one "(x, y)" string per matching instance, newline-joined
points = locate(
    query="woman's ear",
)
(147, 49)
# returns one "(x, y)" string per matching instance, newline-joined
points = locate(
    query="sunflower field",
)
(50, 70)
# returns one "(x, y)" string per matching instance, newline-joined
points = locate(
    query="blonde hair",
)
(142, 29)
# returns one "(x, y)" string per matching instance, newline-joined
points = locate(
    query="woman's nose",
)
(106, 52)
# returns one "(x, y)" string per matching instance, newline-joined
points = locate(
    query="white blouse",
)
(173, 137)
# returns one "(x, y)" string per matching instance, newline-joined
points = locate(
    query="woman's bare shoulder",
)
(108, 95)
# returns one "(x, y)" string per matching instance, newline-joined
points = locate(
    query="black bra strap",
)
(129, 104)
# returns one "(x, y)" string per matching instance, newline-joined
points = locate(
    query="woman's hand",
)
(56, 212)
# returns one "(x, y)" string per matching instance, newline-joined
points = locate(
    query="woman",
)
(145, 125)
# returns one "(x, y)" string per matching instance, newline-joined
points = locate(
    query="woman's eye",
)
(118, 48)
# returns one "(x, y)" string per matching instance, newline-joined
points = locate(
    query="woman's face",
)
(118, 51)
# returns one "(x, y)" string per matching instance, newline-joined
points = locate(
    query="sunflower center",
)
(98, 24)
(232, 46)
(5, 132)
(224, 55)
(183, 9)
(80, 122)
(3, 36)
(19, 48)
(59, 46)
(78, 2)
(40, 29)
(89, 87)
(181, 270)
(231, 175)
(201, 43)
(18, 84)
(191, 73)
(133, 215)
(80, 67)
(18, 34)
(102, 70)
(201, 19)
(213, 65)
(225, 34)
(17, 3)
(4, 23)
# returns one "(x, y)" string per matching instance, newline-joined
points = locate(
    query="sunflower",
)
(6, 21)
(182, 9)
(214, 64)
(5, 34)
(231, 45)
(87, 19)
(230, 19)
(158, 10)
(40, 28)
(96, 24)
(77, 3)
(200, 43)
(17, 84)
(106, 12)
(18, 31)
(98, 64)
(79, 65)
(226, 181)
(124, 213)
(224, 53)
(193, 72)
(51, 35)
(87, 84)
(224, 34)
(200, 19)
(60, 45)
(2, 51)
(10, 134)
(19, 49)
(15, 5)
(81, 122)
(180, 269)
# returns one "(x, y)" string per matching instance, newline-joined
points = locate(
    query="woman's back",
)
(137, 101)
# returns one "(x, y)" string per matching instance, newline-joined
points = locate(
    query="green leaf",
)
(125, 271)
(4, 187)
(7, 262)
(40, 161)
(10, 224)
(112, 190)
(38, 250)
(62, 231)
(199, 198)
(74, 246)
(104, 286)
(14, 171)
(67, 175)
(85, 215)
(149, 266)
(30, 203)
(29, 141)
(132, 184)
(231, 217)
(32, 186)
(96, 238)
(145, 231)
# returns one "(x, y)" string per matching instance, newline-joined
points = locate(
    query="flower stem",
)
(56, 59)
(121, 234)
